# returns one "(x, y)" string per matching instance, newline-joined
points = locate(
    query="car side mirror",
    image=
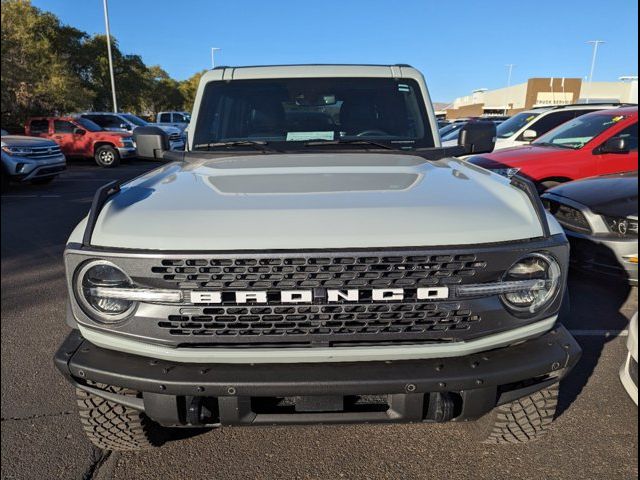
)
(125, 126)
(79, 131)
(615, 145)
(529, 135)
(151, 142)
(477, 137)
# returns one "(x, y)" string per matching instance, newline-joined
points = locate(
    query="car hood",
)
(611, 195)
(21, 141)
(264, 202)
(168, 128)
(517, 155)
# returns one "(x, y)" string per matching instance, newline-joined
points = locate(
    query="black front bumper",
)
(414, 390)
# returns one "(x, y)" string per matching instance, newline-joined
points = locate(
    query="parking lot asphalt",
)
(595, 436)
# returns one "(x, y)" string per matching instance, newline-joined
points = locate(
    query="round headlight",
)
(535, 266)
(101, 273)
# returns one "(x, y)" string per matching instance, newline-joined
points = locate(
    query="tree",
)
(189, 88)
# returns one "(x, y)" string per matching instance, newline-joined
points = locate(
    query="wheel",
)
(42, 181)
(520, 421)
(107, 157)
(111, 426)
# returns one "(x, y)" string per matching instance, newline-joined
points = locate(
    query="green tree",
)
(189, 88)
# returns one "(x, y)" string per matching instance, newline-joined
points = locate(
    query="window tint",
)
(38, 127)
(165, 118)
(578, 132)
(62, 126)
(105, 121)
(179, 118)
(631, 135)
(555, 119)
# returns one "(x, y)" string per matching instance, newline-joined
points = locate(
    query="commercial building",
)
(540, 92)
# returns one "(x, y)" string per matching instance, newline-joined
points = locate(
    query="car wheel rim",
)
(106, 157)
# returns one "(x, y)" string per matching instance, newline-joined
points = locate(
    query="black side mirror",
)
(614, 145)
(477, 137)
(79, 131)
(151, 142)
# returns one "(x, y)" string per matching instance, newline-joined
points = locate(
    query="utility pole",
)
(506, 93)
(595, 44)
(113, 81)
(213, 50)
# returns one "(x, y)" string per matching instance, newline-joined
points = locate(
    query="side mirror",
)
(615, 145)
(79, 131)
(477, 137)
(151, 142)
(125, 126)
(529, 135)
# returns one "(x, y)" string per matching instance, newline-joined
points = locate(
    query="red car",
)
(597, 143)
(79, 137)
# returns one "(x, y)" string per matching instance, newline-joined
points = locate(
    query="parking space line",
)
(599, 333)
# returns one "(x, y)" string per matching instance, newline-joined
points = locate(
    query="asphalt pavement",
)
(595, 435)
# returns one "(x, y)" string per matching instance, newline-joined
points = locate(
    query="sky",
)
(459, 45)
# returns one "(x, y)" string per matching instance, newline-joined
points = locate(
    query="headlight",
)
(624, 227)
(543, 275)
(91, 280)
(17, 150)
(506, 172)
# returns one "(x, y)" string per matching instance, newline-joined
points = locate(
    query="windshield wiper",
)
(557, 145)
(259, 145)
(348, 142)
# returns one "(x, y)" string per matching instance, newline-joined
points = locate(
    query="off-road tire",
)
(107, 156)
(520, 421)
(111, 426)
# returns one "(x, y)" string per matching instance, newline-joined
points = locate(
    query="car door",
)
(620, 162)
(63, 135)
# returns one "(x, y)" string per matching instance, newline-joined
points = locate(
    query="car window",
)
(578, 132)
(88, 124)
(297, 110)
(165, 118)
(514, 124)
(106, 121)
(62, 126)
(550, 121)
(631, 135)
(38, 127)
(137, 121)
(179, 118)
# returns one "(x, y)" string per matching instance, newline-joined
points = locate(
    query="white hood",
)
(262, 202)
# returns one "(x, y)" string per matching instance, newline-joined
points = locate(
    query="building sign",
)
(554, 98)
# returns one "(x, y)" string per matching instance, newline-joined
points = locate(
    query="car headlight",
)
(17, 150)
(541, 274)
(623, 227)
(92, 281)
(506, 172)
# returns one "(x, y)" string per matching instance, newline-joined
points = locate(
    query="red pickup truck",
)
(79, 137)
(597, 143)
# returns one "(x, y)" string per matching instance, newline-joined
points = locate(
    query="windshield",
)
(137, 121)
(292, 111)
(88, 124)
(578, 132)
(510, 127)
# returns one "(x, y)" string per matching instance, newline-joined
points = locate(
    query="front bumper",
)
(242, 393)
(603, 255)
(24, 169)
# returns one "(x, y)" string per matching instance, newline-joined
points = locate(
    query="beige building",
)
(539, 92)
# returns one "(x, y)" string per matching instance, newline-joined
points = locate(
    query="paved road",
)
(596, 435)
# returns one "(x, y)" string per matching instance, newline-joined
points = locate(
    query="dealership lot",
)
(595, 436)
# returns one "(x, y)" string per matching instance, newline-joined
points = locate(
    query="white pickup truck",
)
(174, 119)
(315, 255)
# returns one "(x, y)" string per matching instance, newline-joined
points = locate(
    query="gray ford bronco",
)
(315, 256)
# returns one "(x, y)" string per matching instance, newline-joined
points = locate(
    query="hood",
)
(611, 195)
(22, 141)
(518, 155)
(168, 128)
(314, 201)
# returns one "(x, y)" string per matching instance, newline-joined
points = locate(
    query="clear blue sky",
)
(459, 45)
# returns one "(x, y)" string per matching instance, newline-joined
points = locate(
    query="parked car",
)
(524, 127)
(29, 159)
(80, 137)
(598, 143)
(127, 122)
(174, 119)
(629, 370)
(272, 275)
(600, 217)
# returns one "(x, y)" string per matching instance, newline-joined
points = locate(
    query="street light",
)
(113, 82)
(213, 50)
(595, 44)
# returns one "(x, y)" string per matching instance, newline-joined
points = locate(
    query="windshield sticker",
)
(304, 136)
(530, 117)
(615, 119)
(403, 88)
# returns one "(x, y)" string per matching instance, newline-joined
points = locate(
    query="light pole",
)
(506, 93)
(213, 50)
(113, 81)
(595, 44)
